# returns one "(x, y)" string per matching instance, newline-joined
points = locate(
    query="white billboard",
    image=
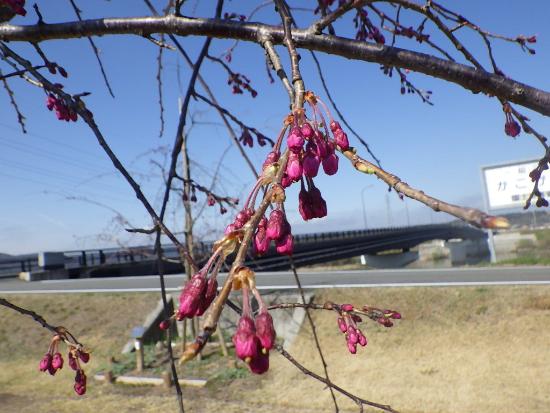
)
(508, 185)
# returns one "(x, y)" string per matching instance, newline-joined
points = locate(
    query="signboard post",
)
(508, 185)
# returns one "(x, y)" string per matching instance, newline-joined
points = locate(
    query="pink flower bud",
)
(229, 229)
(79, 389)
(50, 102)
(277, 225)
(164, 325)
(311, 163)
(304, 205)
(80, 382)
(362, 339)
(210, 200)
(191, 296)
(245, 340)
(261, 241)
(84, 357)
(512, 128)
(295, 140)
(318, 204)
(73, 364)
(262, 223)
(265, 330)
(334, 126)
(209, 295)
(57, 361)
(307, 130)
(353, 338)
(260, 363)
(330, 164)
(356, 318)
(352, 348)
(395, 315)
(386, 322)
(286, 181)
(342, 325)
(341, 139)
(294, 167)
(46, 362)
(285, 245)
(347, 307)
(271, 158)
(321, 144)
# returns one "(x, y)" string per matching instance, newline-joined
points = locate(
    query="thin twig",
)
(96, 51)
(210, 94)
(159, 84)
(337, 109)
(20, 117)
(313, 331)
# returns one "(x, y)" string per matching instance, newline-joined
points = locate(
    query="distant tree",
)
(312, 136)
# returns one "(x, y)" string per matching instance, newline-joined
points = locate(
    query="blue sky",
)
(59, 190)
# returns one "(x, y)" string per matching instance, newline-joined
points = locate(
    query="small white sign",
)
(509, 185)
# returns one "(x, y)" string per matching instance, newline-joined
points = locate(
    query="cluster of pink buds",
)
(511, 127)
(247, 140)
(366, 30)
(240, 220)
(53, 361)
(197, 294)
(17, 6)
(238, 82)
(524, 40)
(62, 111)
(254, 337)
(350, 317)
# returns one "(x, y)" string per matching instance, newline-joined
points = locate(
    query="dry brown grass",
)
(457, 350)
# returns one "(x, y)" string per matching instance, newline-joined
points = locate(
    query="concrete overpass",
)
(309, 249)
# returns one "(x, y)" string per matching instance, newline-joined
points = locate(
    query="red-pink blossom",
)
(295, 140)
(245, 340)
(294, 166)
(265, 331)
(259, 364)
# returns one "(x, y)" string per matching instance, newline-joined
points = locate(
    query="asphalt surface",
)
(310, 279)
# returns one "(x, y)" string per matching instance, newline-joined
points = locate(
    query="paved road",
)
(285, 280)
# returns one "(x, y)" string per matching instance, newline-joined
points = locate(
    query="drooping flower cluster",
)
(17, 6)
(254, 337)
(53, 361)
(350, 318)
(62, 111)
(199, 292)
(311, 143)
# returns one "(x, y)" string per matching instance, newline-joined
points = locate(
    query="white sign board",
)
(509, 185)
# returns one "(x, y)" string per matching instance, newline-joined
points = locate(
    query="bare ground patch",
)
(457, 350)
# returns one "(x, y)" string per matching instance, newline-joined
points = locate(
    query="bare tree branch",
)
(471, 215)
(463, 75)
